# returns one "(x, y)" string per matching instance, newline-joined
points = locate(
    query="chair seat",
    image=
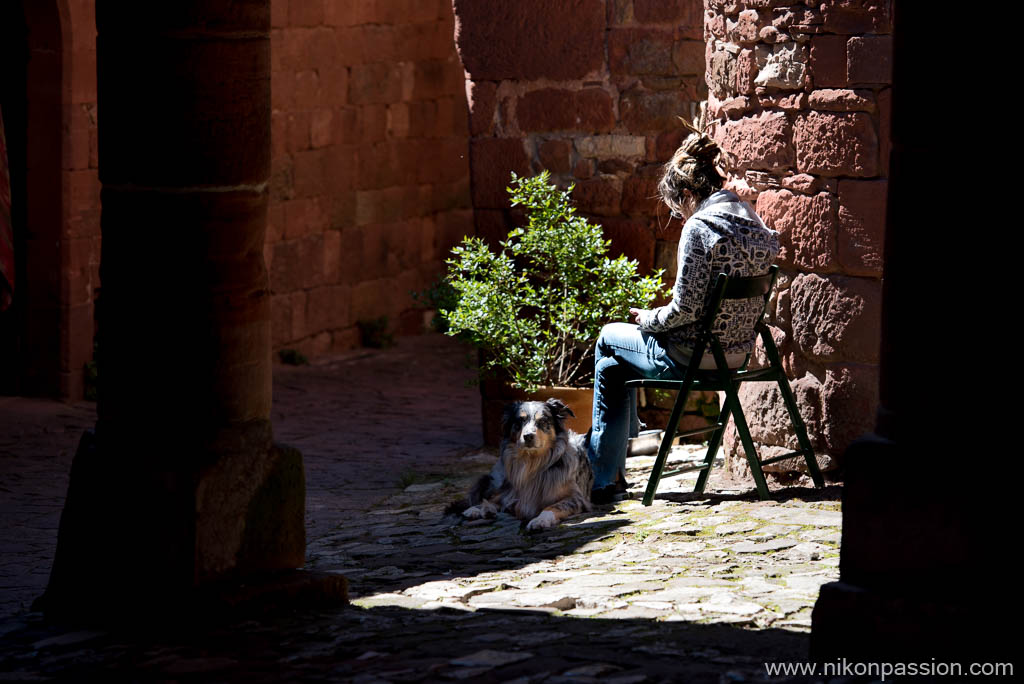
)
(728, 380)
(709, 380)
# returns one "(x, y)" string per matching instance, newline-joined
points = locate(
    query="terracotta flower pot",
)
(496, 395)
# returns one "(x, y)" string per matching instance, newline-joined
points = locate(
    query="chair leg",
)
(713, 444)
(666, 443)
(801, 432)
(748, 443)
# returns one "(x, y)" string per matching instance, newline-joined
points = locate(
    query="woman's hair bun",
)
(693, 167)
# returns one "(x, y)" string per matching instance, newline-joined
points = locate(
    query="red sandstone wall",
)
(802, 95)
(589, 90)
(370, 185)
(80, 251)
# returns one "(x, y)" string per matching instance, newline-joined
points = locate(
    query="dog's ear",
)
(559, 409)
(508, 419)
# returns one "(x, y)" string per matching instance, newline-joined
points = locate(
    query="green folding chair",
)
(723, 378)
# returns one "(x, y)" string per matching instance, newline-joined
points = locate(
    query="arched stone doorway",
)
(31, 85)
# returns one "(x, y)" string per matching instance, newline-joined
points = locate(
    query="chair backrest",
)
(740, 288)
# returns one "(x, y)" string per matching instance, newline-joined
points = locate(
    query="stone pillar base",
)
(918, 577)
(141, 534)
(863, 625)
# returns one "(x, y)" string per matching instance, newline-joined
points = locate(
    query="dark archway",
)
(30, 97)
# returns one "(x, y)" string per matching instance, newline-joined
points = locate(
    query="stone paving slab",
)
(694, 588)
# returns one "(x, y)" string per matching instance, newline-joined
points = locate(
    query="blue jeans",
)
(623, 352)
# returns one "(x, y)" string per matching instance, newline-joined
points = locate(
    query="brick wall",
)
(80, 254)
(589, 90)
(50, 95)
(370, 186)
(802, 97)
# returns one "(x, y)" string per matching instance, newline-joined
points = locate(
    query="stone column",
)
(923, 537)
(801, 95)
(180, 484)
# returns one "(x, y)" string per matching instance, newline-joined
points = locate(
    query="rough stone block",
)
(328, 308)
(297, 302)
(667, 143)
(688, 58)
(321, 50)
(869, 59)
(302, 217)
(632, 237)
(836, 144)
(842, 100)
(530, 39)
(640, 196)
(744, 30)
(452, 227)
(783, 65)
(332, 257)
(434, 78)
(491, 162)
(594, 110)
(763, 141)
(720, 58)
(806, 225)
(320, 127)
(280, 320)
(828, 62)
(857, 16)
(492, 226)
(849, 400)
(803, 182)
(481, 97)
(787, 101)
(584, 169)
(640, 51)
(278, 14)
(681, 13)
(375, 83)
(306, 93)
(609, 146)
(600, 195)
(862, 226)
(768, 418)
(642, 111)
(837, 318)
(556, 155)
(305, 13)
(553, 109)
(746, 72)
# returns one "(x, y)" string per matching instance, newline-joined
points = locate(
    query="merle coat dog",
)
(542, 475)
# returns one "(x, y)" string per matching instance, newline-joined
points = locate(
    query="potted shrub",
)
(536, 307)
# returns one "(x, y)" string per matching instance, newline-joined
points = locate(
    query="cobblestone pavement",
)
(693, 588)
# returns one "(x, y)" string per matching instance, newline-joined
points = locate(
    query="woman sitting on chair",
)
(722, 234)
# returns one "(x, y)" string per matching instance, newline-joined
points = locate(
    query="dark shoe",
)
(603, 495)
(610, 493)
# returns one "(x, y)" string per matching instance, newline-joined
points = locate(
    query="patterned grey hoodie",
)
(724, 235)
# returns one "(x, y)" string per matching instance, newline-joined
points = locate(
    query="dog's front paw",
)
(484, 510)
(542, 522)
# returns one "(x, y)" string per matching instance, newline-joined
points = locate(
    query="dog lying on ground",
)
(542, 474)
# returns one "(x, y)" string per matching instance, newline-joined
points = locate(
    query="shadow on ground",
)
(402, 645)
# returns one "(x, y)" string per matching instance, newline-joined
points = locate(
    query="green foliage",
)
(293, 357)
(373, 332)
(440, 296)
(538, 305)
